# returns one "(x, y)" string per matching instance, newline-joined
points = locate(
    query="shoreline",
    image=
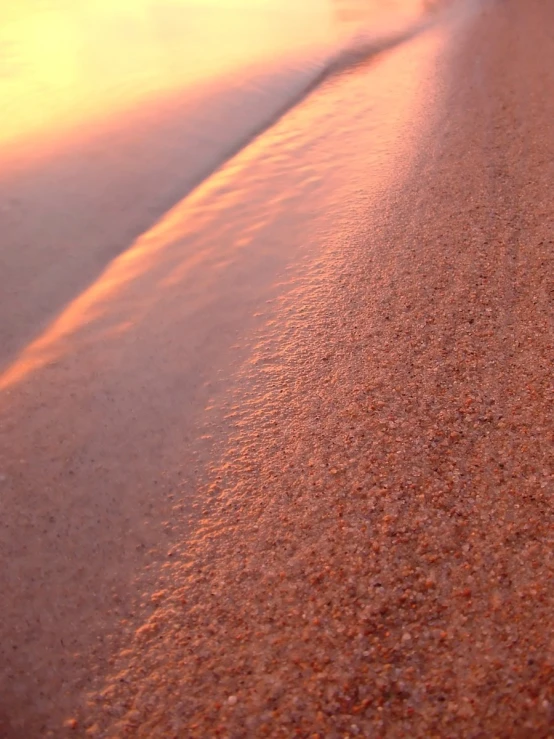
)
(387, 571)
(364, 295)
(109, 408)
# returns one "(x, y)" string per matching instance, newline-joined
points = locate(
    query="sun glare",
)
(63, 64)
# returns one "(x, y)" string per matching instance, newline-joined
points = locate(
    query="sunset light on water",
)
(65, 64)
(62, 63)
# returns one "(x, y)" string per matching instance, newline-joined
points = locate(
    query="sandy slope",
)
(102, 417)
(375, 551)
(377, 557)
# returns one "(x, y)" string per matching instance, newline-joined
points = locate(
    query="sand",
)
(371, 553)
(375, 557)
(109, 417)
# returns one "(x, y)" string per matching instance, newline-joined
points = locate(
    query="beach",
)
(285, 467)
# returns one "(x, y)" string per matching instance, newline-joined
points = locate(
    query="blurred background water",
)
(65, 62)
(112, 111)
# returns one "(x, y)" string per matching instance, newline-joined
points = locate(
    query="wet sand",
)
(376, 557)
(109, 417)
(374, 554)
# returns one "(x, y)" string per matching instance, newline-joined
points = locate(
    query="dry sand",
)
(376, 556)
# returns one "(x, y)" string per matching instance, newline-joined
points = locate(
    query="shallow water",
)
(65, 63)
(114, 111)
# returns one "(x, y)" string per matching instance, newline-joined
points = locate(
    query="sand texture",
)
(376, 554)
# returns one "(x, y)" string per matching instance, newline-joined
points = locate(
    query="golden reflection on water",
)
(304, 177)
(66, 62)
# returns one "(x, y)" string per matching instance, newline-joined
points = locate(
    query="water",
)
(67, 66)
(114, 110)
